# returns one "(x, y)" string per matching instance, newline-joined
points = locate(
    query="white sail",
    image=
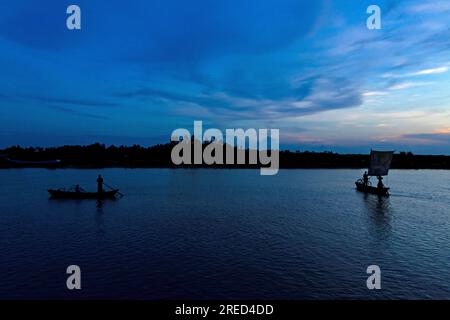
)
(380, 162)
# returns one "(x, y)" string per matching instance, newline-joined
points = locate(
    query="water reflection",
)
(379, 213)
(100, 204)
(99, 220)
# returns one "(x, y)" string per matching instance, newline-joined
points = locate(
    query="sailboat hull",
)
(370, 189)
(61, 194)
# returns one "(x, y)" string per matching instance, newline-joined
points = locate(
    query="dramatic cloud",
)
(441, 136)
(147, 67)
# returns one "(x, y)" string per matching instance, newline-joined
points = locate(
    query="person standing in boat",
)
(365, 178)
(100, 184)
(380, 182)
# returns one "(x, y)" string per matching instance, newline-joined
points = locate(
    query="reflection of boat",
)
(370, 189)
(70, 194)
(380, 163)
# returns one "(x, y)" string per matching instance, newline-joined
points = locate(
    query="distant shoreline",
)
(98, 156)
(207, 168)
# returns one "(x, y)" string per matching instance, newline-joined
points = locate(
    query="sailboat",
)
(380, 163)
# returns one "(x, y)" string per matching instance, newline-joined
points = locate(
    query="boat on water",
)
(380, 163)
(360, 186)
(70, 194)
(77, 192)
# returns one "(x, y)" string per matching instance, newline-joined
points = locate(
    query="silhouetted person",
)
(99, 184)
(365, 178)
(77, 188)
(380, 182)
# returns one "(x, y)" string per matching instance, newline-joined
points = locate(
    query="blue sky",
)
(140, 69)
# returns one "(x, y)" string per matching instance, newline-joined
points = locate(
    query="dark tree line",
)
(159, 156)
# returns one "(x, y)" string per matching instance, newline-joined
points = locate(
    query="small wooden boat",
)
(380, 163)
(70, 194)
(370, 189)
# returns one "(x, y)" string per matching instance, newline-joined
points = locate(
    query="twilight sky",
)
(139, 69)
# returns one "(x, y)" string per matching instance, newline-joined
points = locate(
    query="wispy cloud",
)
(374, 93)
(408, 85)
(430, 137)
(431, 71)
(423, 72)
(64, 100)
(79, 113)
(434, 6)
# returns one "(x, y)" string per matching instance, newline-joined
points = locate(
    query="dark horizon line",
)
(159, 156)
(285, 150)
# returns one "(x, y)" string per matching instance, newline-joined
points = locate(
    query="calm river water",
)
(225, 234)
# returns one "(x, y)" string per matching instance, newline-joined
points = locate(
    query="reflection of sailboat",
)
(379, 216)
(380, 163)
